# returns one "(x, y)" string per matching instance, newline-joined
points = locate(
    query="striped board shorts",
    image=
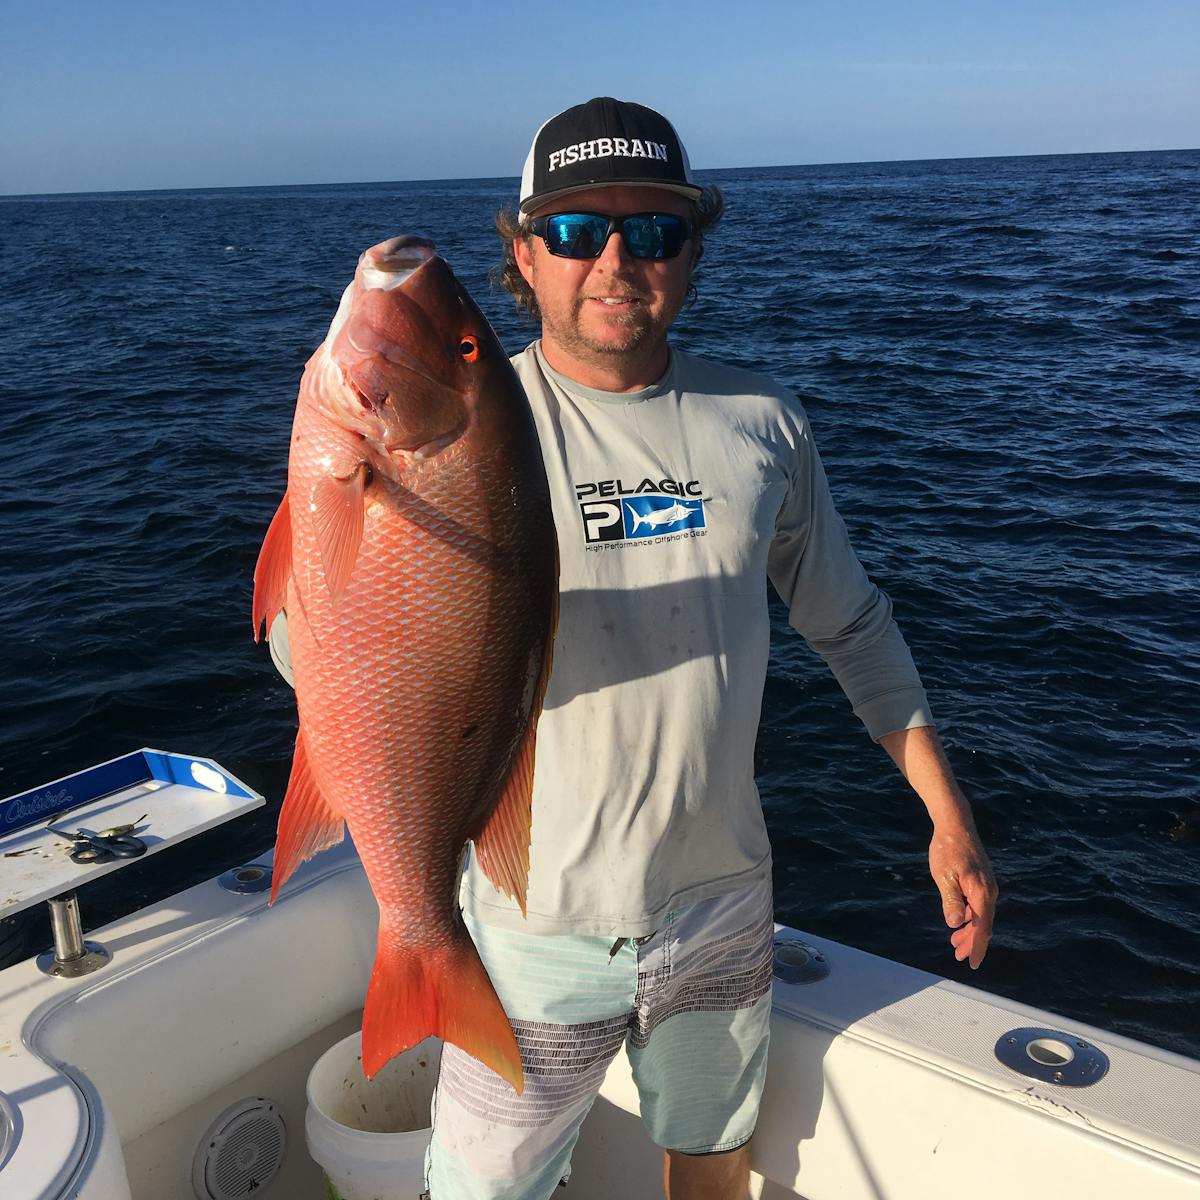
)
(703, 979)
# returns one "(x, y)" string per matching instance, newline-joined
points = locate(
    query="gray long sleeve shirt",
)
(673, 506)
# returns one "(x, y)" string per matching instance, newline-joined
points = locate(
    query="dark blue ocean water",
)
(1001, 359)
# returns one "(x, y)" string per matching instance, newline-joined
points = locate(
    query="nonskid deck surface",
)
(883, 1080)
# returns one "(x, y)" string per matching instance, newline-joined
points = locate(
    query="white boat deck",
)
(884, 1082)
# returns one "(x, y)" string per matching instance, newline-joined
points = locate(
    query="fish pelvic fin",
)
(414, 993)
(503, 845)
(273, 568)
(338, 508)
(307, 822)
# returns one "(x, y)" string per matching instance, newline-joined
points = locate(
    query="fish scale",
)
(395, 604)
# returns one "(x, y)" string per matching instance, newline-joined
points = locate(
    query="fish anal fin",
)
(338, 514)
(503, 845)
(273, 568)
(307, 823)
(415, 993)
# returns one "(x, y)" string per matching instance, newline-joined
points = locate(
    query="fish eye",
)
(468, 347)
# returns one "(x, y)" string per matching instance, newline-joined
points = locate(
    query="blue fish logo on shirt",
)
(648, 516)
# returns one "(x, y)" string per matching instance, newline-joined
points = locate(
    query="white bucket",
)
(369, 1135)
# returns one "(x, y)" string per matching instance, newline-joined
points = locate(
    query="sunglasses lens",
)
(576, 235)
(654, 235)
(583, 235)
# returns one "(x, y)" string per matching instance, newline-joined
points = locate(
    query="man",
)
(678, 487)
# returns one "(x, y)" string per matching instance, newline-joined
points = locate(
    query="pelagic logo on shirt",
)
(652, 511)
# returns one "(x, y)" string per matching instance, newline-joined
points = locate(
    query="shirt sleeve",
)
(835, 607)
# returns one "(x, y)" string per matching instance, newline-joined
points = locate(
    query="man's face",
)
(602, 310)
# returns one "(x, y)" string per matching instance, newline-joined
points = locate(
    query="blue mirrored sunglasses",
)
(584, 235)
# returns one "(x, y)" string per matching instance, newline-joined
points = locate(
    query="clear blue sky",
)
(114, 94)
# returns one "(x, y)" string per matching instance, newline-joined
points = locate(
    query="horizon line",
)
(866, 162)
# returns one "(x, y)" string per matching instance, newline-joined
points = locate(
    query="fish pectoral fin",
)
(307, 822)
(338, 514)
(418, 991)
(273, 568)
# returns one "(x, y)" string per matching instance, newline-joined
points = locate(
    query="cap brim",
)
(532, 203)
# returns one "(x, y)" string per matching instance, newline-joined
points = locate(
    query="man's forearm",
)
(957, 860)
(922, 761)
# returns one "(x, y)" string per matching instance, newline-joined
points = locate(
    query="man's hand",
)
(960, 868)
(957, 860)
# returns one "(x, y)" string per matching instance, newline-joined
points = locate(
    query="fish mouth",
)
(383, 267)
(392, 263)
(389, 266)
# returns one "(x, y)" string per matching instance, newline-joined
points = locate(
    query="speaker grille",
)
(241, 1152)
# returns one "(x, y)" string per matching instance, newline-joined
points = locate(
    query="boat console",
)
(57, 1135)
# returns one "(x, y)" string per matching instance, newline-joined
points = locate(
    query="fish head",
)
(414, 354)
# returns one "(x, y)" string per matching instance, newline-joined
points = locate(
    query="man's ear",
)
(523, 253)
(697, 252)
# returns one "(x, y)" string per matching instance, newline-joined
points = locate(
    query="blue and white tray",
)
(170, 797)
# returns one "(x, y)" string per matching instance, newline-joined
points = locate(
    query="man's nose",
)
(615, 255)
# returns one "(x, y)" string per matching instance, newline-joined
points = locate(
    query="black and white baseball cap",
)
(604, 141)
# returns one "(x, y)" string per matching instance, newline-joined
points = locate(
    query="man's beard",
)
(625, 334)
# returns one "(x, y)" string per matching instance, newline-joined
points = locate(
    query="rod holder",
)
(1052, 1056)
(72, 956)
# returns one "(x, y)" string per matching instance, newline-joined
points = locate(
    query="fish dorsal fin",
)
(503, 846)
(307, 822)
(338, 514)
(273, 568)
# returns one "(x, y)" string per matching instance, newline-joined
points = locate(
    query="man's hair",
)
(706, 212)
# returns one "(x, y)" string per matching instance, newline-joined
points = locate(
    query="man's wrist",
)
(919, 755)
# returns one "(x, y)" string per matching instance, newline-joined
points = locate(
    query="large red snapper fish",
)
(414, 553)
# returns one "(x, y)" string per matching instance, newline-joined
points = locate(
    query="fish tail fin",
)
(447, 993)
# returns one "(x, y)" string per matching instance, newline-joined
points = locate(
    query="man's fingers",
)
(967, 899)
(953, 908)
(965, 942)
(968, 892)
(970, 941)
(981, 899)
